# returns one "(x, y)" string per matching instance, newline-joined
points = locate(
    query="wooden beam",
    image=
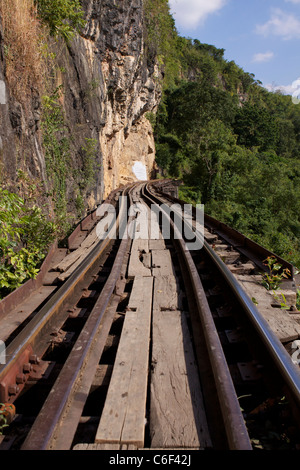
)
(123, 417)
(177, 416)
(162, 263)
(139, 259)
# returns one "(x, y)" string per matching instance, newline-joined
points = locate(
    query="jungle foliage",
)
(234, 144)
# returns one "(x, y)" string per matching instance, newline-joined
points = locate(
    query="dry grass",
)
(23, 46)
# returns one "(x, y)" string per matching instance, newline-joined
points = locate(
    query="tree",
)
(212, 145)
(256, 127)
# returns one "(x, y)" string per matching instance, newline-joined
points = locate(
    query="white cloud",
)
(285, 89)
(281, 24)
(263, 56)
(191, 13)
(294, 1)
(292, 89)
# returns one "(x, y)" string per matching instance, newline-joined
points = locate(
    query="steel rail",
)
(236, 431)
(47, 432)
(27, 340)
(240, 242)
(290, 373)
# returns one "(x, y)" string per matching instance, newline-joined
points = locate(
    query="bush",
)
(63, 17)
(25, 234)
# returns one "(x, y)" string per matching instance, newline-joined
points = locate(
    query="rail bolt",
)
(27, 367)
(20, 379)
(34, 359)
(13, 389)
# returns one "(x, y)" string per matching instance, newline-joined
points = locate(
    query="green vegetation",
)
(161, 38)
(85, 175)
(57, 154)
(25, 234)
(60, 172)
(26, 26)
(272, 278)
(90, 166)
(234, 145)
(31, 71)
(63, 17)
(6, 411)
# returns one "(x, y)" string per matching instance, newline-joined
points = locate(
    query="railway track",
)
(148, 345)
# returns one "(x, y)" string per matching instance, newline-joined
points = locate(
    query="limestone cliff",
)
(114, 34)
(107, 87)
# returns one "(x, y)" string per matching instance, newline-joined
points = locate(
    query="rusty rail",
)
(287, 369)
(240, 242)
(56, 424)
(26, 347)
(236, 430)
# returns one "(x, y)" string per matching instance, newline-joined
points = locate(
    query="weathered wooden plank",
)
(81, 447)
(90, 239)
(151, 231)
(167, 293)
(154, 229)
(137, 267)
(177, 417)
(76, 242)
(96, 447)
(147, 260)
(280, 321)
(50, 278)
(123, 417)
(137, 293)
(14, 318)
(210, 237)
(58, 256)
(65, 275)
(122, 447)
(69, 259)
(102, 376)
(157, 244)
(162, 263)
(82, 251)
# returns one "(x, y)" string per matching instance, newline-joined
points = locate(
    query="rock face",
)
(108, 87)
(19, 130)
(130, 88)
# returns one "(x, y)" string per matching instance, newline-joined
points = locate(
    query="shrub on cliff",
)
(64, 17)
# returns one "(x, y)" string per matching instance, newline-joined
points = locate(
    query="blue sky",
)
(261, 36)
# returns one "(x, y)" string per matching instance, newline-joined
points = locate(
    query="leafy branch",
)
(25, 234)
(7, 411)
(272, 279)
